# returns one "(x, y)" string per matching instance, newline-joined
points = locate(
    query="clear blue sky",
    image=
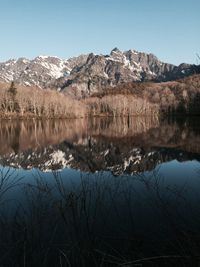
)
(168, 28)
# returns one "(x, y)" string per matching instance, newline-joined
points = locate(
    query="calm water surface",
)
(100, 192)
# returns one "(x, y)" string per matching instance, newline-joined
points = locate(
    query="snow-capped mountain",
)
(86, 74)
(41, 71)
(101, 71)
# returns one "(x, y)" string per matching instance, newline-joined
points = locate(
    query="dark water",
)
(100, 192)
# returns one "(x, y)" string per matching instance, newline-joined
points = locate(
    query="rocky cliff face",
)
(120, 67)
(87, 74)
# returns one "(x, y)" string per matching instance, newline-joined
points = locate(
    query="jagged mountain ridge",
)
(42, 71)
(87, 74)
(101, 71)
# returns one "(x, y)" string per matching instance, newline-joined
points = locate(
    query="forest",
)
(181, 97)
(21, 101)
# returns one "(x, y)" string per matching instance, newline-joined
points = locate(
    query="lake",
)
(100, 192)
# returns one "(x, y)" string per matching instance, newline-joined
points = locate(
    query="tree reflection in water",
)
(113, 192)
(129, 145)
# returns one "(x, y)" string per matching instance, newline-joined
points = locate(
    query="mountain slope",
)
(119, 67)
(42, 71)
(86, 74)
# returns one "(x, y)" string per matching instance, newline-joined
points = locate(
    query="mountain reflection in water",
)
(92, 212)
(121, 145)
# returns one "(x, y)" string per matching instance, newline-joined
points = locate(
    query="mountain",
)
(86, 74)
(102, 71)
(42, 71)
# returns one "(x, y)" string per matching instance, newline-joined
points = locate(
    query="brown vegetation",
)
(23, 102)
(171, 98)
(180, 97)
(120, 105)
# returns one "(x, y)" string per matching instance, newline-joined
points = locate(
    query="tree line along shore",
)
(181, 97)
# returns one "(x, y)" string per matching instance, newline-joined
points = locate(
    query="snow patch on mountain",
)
(91, 73)
(41, 71)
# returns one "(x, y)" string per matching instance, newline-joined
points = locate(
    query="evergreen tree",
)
(12, 90)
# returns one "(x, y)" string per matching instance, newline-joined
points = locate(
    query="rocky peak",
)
(101, 71)
(76, 61)
(116, 53)
(116, 50)
(87, 74)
